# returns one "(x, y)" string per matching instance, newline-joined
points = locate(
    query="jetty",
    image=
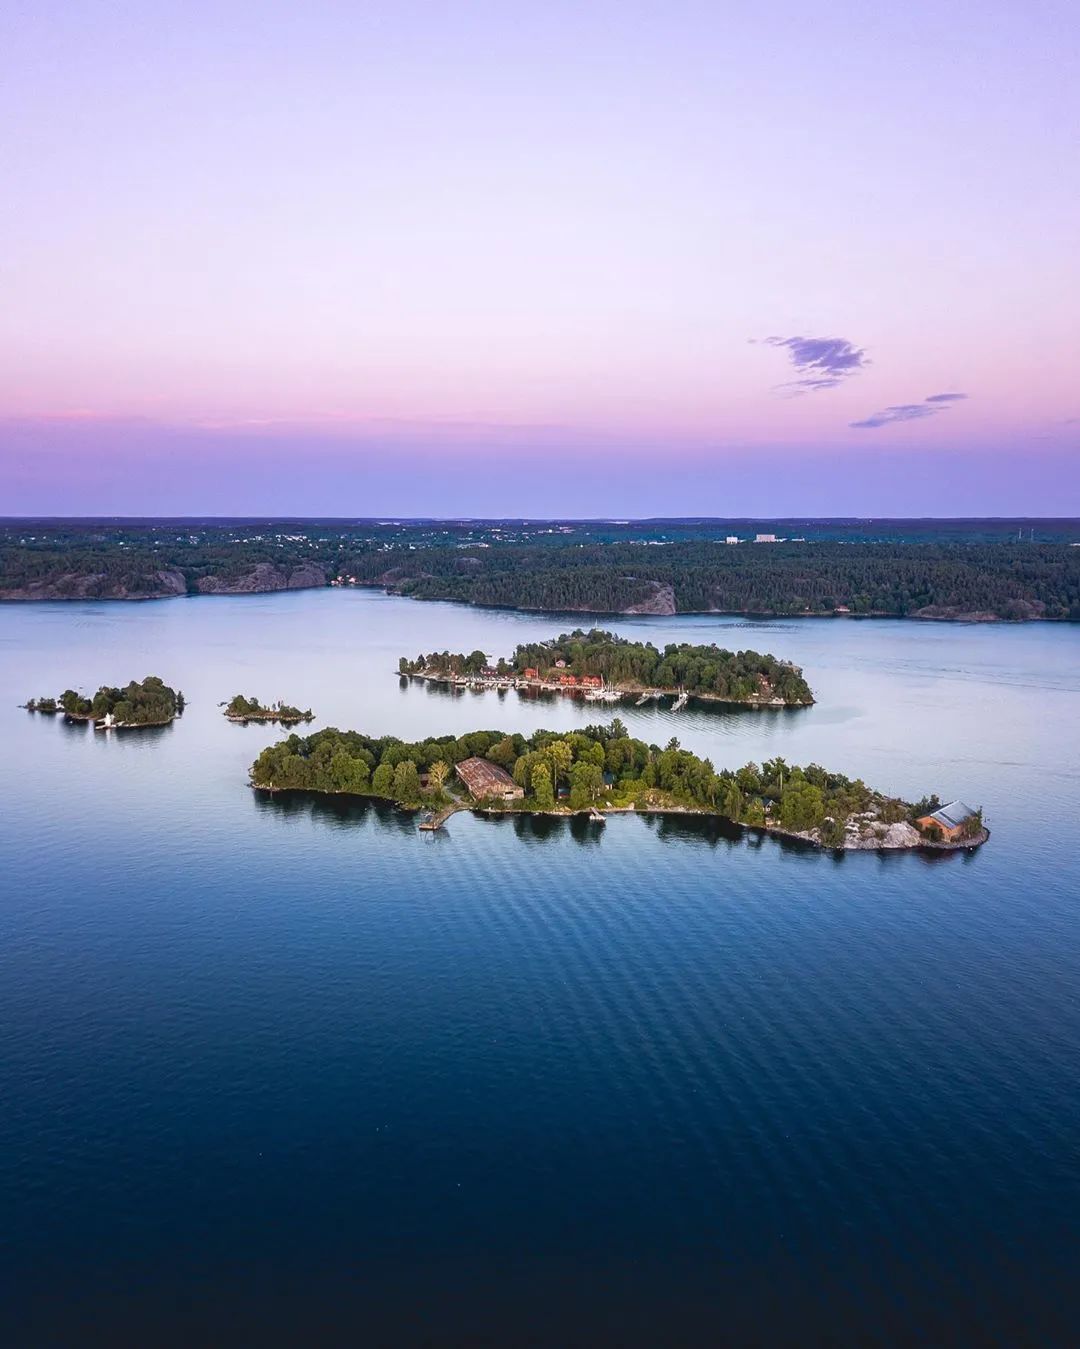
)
(680, 702)
(438, 818)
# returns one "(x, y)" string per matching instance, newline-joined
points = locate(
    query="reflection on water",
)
(647, 714)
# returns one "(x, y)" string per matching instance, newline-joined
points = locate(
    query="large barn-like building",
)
(486, 780)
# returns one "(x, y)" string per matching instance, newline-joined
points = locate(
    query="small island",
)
(49, 706)
(604, 667)
(602, 770)
(250, 709)
(151, 703)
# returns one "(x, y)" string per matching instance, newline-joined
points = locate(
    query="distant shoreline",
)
(25, 597)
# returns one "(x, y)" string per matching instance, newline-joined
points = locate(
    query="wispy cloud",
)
(909, 412)
(823, 362)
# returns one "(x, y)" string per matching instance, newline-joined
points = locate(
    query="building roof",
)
(952, 815)
(484, 778)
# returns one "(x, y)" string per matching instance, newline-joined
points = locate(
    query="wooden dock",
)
(438, 818)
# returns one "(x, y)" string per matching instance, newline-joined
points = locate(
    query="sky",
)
(541, 259)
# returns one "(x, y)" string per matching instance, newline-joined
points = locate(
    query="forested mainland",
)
(915, 569)
(706, 671)
(600, 768)
(943, 581)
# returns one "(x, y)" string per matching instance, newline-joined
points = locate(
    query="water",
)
(280, 1072)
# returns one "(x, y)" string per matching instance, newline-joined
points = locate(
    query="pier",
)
(438, 818)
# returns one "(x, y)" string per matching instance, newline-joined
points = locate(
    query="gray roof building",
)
(953, 815)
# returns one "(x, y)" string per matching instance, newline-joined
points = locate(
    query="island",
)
(49, 706)
(250, 709)
(150, 703)
(604, 667)
(601, 770)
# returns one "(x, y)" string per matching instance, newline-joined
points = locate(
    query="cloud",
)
(822, 361)
(909, 412)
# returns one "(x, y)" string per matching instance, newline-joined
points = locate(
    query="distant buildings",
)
(732, 538)
(765, 538)
(486, 781)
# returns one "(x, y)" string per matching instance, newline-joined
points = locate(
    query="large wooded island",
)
(602, 769)
(604, 666)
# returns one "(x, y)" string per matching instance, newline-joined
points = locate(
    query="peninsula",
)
(601, 770)
(250, 709)
(151, 703)
(605, 667)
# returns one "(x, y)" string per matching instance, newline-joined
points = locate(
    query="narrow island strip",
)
(602, 770)
(603, 667)
(250, 709)
(138, 705)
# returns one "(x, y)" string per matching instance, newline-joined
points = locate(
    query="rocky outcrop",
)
(264, 576)
(661, 600)
(155, 585)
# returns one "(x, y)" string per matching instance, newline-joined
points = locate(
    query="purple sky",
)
(600, 259)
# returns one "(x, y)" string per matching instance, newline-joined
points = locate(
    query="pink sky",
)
(356, 236)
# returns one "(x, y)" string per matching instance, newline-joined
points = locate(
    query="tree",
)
(559, 756)
(733, 802)
(406, 781)
(503, 753)
(382, 780)
(801, 806)
(541, 786)
(437, 775)
(586, 784)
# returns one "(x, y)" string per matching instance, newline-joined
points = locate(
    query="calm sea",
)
(284, 1072)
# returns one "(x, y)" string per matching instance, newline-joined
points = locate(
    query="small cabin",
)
(568, 680)
(950, 819)
(530, 672)
(592, 681)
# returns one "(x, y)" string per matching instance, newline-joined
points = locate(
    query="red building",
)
(568, 679)
(530, 673)
(592, 681)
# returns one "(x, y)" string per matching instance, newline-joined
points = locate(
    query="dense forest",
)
(240, 708)
(917, 569)
(711, 671)
(600, 766)
(1008, 581)
(151, 703)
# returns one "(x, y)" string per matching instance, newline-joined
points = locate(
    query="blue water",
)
(289, 1072)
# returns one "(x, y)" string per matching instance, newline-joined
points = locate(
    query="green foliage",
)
(543, 792)
(241, 708)
(47, 705)
(898, 568)
(602, 765)
(709, 671)
(151, 703)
